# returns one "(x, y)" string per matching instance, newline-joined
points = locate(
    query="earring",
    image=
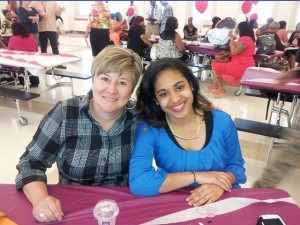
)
(192, 89)
(156, 103)
(131, 104)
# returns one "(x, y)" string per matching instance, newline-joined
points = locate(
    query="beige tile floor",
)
(14, 137)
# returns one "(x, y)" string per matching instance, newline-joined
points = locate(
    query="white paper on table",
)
(217, 208)
(270, 81)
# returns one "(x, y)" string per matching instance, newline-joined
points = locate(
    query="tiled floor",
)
(14, 137)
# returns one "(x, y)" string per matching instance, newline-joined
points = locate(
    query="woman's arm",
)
(179, 43)
(235, 47)
(43, 204)
(145, 40)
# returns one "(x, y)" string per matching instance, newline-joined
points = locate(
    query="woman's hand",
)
(222, 179)
(230, 35)
(205, 194)
(48, 209)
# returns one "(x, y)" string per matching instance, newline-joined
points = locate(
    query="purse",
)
(223, 56)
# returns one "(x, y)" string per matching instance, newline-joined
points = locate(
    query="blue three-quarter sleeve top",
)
(221, 153)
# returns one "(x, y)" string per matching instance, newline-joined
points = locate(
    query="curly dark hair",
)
(147, 108)
(245, 29)
(171, 26)
(18, 28)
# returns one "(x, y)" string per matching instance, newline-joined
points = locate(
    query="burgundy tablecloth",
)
(78, 203)
(203, 50)
(251, 75)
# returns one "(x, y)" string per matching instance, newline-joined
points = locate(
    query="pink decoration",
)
(254, 2)
(254, 16)
(201, 6)
(130, 11)
(246, 7)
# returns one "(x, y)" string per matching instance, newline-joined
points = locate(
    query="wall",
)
(283, 10)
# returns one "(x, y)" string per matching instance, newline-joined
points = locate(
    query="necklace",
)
(186, 138)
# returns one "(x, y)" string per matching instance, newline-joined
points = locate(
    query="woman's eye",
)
(122, 83)
(180, 87)
(163, 94)
(104, 79)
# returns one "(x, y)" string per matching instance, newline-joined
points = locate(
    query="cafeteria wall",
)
(282, 10)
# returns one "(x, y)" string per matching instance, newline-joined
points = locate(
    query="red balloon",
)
(254, 16)
(130, 11)
(246, 7)
(254, 2)
(201, 6)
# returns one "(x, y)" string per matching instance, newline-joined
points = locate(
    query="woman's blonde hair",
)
(115, 59)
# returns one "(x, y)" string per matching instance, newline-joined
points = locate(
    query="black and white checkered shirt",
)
(84, 152)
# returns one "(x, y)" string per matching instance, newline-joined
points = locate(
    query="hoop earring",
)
(131, 102)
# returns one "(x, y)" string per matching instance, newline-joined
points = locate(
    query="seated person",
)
(193, 144)
(190, 32)
(264, 27)
(241, 58)
(137, 39)
(21, 39)
(283, 33)
(90, 137)
(273, 28)
(170, 44)
(6, 25)
(214, 21)
(118, 24)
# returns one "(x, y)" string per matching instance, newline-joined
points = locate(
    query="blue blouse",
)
(222, 153)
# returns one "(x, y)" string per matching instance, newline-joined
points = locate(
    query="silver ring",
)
(207, 196)
(42, 215)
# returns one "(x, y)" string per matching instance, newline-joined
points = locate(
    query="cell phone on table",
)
(270, 219)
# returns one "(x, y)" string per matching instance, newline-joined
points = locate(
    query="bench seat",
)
(17, 94)
(254, 127)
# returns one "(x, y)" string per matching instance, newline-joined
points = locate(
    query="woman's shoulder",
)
(220, 115)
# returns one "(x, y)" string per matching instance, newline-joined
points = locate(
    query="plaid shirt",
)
(85, 153)
(167, 12)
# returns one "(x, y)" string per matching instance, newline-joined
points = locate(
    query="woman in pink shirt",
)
(283, 33)
(21, 39)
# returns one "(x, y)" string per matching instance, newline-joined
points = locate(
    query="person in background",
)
(170, 44)
(253, 23)
(6, 25)
(290, 55)
(12, 7)
(118, 24)
(190, 31)
(283, 33)
(137, 39)
(154, 18)
(214, 21)
(98, 27)
(48, 10)
(29, 17)
(89, 137)
(193, 144)
(241, 58)
(167, 12)
(21, 40)
(295, 35)
(264, 27)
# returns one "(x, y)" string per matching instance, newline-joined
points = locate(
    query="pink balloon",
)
(201, 6)
(254, 2)
(246, 7)
(130, 11)
(254, 16)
